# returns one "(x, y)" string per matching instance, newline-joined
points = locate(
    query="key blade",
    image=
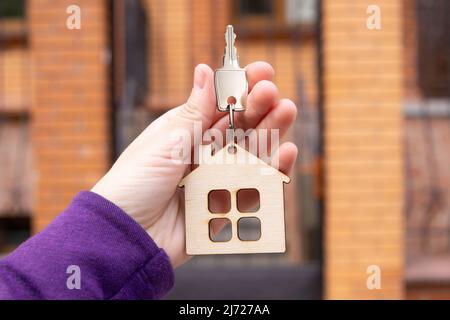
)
(230, 58)
(230, 81)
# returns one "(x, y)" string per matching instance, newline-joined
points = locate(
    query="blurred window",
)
(303, 11)
(129, 70)
(258, 7)
(282, 13)
(136, 52)
(427, 115)
(16, 169)
(433, 34)
(12, 8)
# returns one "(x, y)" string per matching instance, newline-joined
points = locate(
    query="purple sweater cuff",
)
(116, 257)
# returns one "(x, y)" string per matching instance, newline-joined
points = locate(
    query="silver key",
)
(230, 80)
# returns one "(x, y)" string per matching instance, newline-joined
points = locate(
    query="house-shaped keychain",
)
(234, 172)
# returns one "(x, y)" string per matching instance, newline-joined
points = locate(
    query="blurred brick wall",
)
(70, 102)
(183, 33)
(14, 67)
(363, 154)
(411, 88)
(16, 164)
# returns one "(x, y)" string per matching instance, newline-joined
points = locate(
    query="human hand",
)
(144, 180)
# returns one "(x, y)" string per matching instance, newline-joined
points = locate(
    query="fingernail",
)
(199, 78)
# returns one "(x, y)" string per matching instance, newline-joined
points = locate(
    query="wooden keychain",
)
(232, 170)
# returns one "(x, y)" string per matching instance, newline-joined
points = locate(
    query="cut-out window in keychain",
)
(218, 217)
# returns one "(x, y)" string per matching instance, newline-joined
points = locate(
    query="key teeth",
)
(230, 29)
(230, 80)
(230, 53)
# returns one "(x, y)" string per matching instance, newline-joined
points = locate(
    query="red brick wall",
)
(363, 154)
(70, 102)
(412, 91)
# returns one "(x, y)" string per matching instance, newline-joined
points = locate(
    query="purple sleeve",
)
(115, 257)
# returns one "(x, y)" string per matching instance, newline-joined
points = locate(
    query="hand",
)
(144, 180)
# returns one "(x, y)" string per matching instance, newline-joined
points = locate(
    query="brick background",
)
(363, 153)
(16, 164)
(69, 102)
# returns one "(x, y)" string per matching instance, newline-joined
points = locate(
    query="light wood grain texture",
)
(233, 172)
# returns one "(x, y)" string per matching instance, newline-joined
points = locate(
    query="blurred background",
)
(372, 182)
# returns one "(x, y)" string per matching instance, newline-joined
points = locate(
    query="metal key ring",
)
(231, 108)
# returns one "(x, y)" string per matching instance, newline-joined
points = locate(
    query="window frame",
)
(275, 24)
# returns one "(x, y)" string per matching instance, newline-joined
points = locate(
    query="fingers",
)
(202, 101)
(262, 94)
(201, 105)
(286, 156)
(258, 71)
(282, 116)
(261, 99)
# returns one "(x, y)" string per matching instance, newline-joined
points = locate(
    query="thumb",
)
(199, 111)
(201, 104)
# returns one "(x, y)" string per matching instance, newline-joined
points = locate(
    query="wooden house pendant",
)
(233, 173)
(239, 177)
